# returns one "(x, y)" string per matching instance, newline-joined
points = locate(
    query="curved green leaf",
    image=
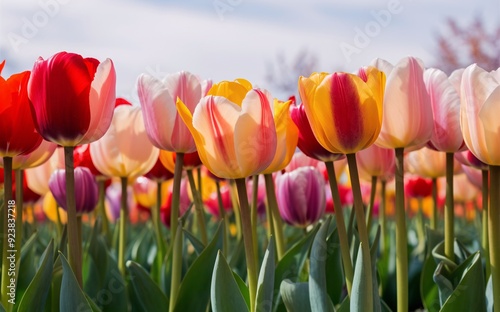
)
(361, 300)
(149, 294)
(334, 271)
(265, 284)
(225, 293)
(37, 290)
(318, 296)
(291, 264)
(194, 283)
(295, 296)
(72, 297)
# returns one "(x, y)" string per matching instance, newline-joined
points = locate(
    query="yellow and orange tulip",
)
(344, 110)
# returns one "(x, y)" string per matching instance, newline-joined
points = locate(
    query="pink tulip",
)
(38, 177)
(474, 175)
(376, 162)
(480, 104)
(34, 159)
(164, 126)
(445, 102)
(407, 113)
(468, 159)
(301, 196)
(124, 151)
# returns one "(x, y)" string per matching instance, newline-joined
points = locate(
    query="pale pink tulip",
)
(376, 161)
(124, 151)
(480, 104)
(164, 126)
(34, 159)
(407, 113)
(445, 102)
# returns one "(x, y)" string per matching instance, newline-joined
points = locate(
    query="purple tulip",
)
(85, 189)
(301, 196)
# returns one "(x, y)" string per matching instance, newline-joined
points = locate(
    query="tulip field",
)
(372, 191)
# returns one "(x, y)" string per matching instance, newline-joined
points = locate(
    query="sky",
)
(228, 39)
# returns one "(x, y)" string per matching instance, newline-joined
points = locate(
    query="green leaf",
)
(334, 271)
(318, 296)
(149, 294)
(27, 266)
(225, 293)
(197, 244)
(359, 295)
(72, 297)
(295, 296)
(194, 283)
(462, 287)
(265, 284)
(103, 280)
(243, 288)
(373, 257)
(429, 292)
(37, 290)
(291, 264)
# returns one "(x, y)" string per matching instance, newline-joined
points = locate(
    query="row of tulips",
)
(238, 131)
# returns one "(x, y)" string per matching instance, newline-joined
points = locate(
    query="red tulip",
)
(72, 98)
(417, 187)
(17, 130)
(159, 172)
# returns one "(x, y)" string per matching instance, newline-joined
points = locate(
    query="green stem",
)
(484, 234)
(101, 209)
(176, 191)
(122, 238)
(401, 238)
(449, 215)
(236, 209)
(275, 215)
(155, 217)
(434, 214)
(74, 245)
(176, 265)
(341, 229)
(253, 211)
(360, 220)
(369, 214)
(381, 212)
(7, 216)
(222, 214)
(420, 226)
(248, 241)
(494, 233)
(59, 221)
(198, 205)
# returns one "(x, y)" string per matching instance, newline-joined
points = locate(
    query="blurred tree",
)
(460, 46)
(282, 74)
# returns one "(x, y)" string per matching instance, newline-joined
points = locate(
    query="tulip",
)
(158, 100)
(418, 187)
(407, 123)
(17, 137)
(85, 187)
(235, 135)
(301, 196)
(446, 137)
(429, 163)
(190, 161)
(72, 100)
(212, 202)
(125, 152)
(479, 105)
(184, 203)
(345, 114)
(39, 176)
(159, 172)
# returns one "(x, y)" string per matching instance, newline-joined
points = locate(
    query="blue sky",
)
(226, 39)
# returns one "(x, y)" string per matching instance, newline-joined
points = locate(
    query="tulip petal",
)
(102, 101)
(445, 101)
(255, 133)
(491, 125)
